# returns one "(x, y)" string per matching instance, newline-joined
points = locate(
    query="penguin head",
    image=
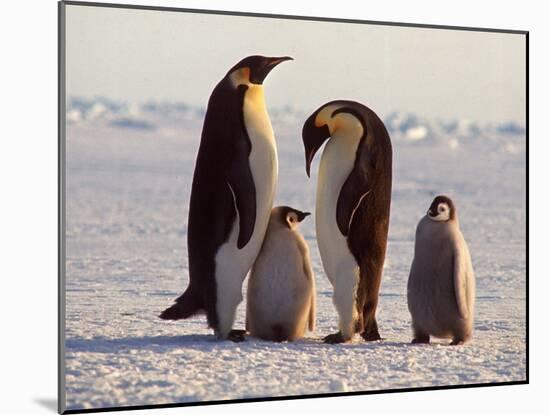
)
(287, 216)
(442, 209)
(327, 121)
(253, 69)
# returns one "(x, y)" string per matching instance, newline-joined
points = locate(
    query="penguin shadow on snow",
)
(313, 344)
(208, 343)
(203, 342)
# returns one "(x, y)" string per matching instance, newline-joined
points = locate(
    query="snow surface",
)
(128, 185)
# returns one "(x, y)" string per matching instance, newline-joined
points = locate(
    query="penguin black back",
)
(360, 145)
(224, 193)
(218, 147)
(364, 207)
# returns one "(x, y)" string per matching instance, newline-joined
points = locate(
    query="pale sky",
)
(138, 55)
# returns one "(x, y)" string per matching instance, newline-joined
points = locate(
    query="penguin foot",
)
(335, 338)
(457, 342)
(371, 337)
(421, 340)
(236, 336)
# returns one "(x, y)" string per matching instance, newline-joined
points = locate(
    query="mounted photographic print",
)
(258, 207)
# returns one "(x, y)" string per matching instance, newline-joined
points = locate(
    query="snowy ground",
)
(127, 198)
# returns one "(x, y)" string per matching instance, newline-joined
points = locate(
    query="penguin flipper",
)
(239, 174)
(312, 311)
(460, 278)
(372, 168)
(242, 188)
(352, 193)
(308, 271)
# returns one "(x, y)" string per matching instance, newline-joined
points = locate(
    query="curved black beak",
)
(258, 74)
(313, 138)
(302, 215)
(275, 61)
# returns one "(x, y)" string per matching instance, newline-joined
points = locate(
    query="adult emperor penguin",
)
(352, 209)
(231, 196)
(441, 287)
(281, 288)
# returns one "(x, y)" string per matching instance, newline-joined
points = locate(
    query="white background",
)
(28, 211)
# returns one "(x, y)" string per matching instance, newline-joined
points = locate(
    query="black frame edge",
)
(291, 397)
(292, 17)
(61, 97)
(527, 206)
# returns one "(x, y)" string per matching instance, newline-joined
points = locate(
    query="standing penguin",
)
(352, 209)
(441, 287)
(231, 196)
(281, 287)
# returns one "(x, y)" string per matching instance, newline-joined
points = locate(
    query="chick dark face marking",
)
(292, 217)
(442, 209)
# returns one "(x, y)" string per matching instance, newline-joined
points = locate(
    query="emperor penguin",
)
(231, 196)
(281, 287)
(441, 286)
(352, 209)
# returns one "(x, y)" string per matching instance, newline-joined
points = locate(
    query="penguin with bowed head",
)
(352, 209)
(281, 286)
(231, 196)
(441, 286)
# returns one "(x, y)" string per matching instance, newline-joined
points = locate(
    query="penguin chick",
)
(441, 286)
(281, 288)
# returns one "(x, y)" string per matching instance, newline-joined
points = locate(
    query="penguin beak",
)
(273, 62)
(313, 138)
(302, 215)
(259, 73)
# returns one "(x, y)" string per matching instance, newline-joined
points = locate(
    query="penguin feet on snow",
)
(421, 339)
(335, 338)
(367, 335)
(237, 335)
(371, 336)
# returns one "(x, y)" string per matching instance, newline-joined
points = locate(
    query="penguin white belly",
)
(278, 290)
(232, 264)
(336, 164)
(340, 266)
